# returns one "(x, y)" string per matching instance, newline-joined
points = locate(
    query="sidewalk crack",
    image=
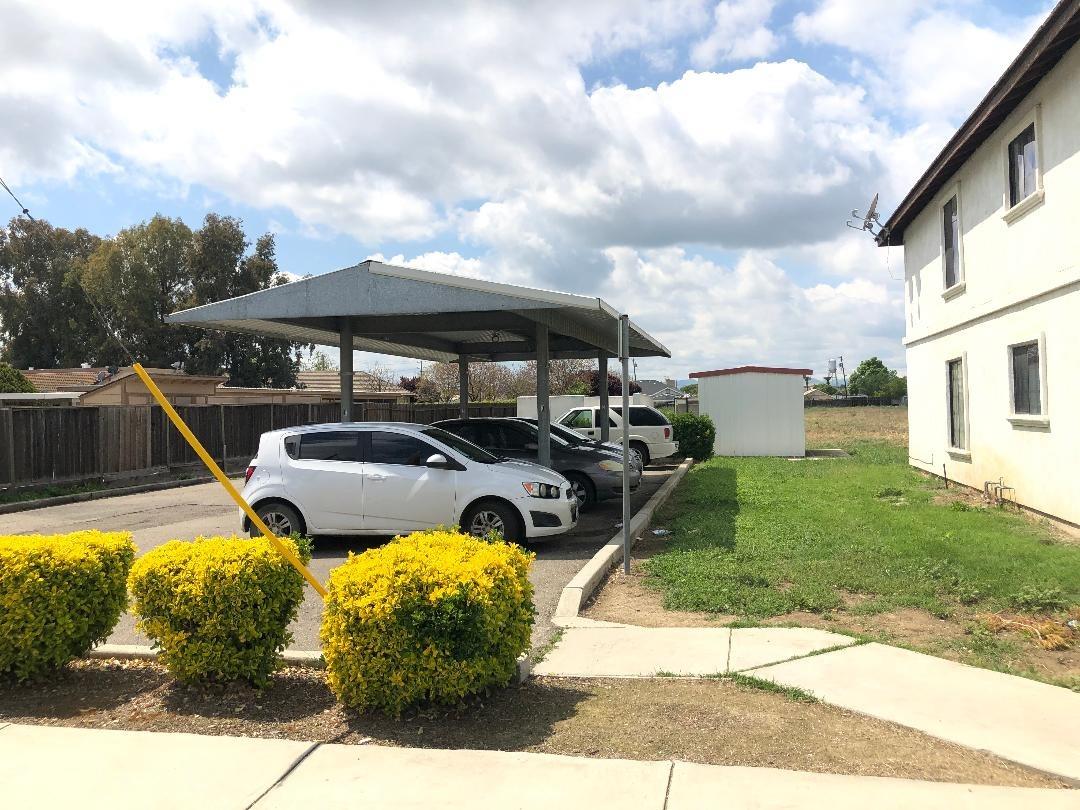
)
(285, 775)
(730, 641)
(670, 776)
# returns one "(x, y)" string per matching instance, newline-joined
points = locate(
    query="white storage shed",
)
(757, 410)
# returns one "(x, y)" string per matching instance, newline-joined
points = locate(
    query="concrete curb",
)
(80, 497)
(312, 659)
(581, 588)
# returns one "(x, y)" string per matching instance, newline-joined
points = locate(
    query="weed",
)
(1039, 599)
(960, 506)
(765, 685)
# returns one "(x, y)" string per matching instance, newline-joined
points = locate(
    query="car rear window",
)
(644, 417)
(331, 445)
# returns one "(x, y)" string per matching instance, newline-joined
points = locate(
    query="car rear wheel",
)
(641, 451)
(279, 518)
(491, 517)
(583, 489)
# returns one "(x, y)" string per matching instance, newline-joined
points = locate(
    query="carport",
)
(402, 311)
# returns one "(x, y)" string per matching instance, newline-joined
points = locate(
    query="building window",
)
(950, 216)
(1027, 384)
(957, 397)
(1023, 165)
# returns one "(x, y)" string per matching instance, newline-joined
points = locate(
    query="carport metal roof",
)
(429, 316)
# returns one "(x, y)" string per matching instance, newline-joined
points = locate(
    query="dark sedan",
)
(596, 474)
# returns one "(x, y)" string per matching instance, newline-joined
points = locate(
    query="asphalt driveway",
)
(204, 509)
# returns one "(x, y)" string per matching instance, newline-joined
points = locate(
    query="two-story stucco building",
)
(991, 236)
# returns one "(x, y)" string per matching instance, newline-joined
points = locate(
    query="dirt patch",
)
(961, 637)
(716, 722)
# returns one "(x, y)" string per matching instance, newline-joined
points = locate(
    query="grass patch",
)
(50, 491)
(765, 685)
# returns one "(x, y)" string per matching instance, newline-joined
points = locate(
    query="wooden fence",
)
(71, 444)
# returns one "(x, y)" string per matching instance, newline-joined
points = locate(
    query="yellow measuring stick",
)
(223, 479)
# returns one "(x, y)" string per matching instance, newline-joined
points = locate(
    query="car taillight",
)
(250, 471)
(667, 433)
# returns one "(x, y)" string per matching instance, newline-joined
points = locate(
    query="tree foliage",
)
(45, 319)
(12, 381)
(614, 384)
(51, 278)
(873, 379)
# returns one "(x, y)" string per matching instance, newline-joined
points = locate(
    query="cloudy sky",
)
(690, 162)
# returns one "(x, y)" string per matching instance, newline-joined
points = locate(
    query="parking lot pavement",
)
(205, 509)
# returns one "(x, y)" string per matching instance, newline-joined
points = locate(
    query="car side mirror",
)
(438, 461)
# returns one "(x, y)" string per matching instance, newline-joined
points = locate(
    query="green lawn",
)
(763, 537)
(869, 546)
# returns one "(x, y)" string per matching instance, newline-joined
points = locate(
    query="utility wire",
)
(25, 210)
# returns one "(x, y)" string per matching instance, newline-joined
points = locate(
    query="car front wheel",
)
(583, 489)
(491, 517)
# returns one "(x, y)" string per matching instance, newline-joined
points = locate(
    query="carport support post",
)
(463, 386)
(346, 362)
(543, 390)
(624, 355)
(602, 414)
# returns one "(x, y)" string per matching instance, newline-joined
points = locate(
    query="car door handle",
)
(376, 477)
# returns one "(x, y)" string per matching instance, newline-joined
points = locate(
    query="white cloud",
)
(740, 32)
(712, 316)
(927, 58)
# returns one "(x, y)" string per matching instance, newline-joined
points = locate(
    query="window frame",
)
(960, 285)
(1012, 213)
(958, 453)
(1037, 420)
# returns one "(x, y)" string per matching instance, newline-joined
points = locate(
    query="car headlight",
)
(536, 489)
(611, 466)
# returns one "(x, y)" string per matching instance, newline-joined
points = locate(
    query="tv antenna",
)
(871, 224)
(870, 221)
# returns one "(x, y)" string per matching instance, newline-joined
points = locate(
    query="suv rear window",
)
(644, 417)
(331, 445)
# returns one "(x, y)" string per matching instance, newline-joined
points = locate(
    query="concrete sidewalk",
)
(1018, 719)
(44, 766)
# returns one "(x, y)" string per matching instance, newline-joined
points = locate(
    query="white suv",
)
(392, 478)
(650, 431)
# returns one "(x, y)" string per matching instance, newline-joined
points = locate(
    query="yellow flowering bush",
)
(59, 594)
(431, 617)
(218, 608)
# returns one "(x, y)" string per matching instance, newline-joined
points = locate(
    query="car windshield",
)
(568, 436)
(466, 448)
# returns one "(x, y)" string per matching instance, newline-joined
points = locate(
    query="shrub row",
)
(59, 595)
(431, 617)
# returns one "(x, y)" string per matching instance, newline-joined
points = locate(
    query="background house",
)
(992, 275)
(97, 386)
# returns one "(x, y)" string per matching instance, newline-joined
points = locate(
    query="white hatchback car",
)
(392, 478)
(650, 431)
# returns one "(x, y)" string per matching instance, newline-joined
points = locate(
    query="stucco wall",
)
(1022, 282)
(755, 414)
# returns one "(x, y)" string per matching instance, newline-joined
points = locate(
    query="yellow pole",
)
(223, 479)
